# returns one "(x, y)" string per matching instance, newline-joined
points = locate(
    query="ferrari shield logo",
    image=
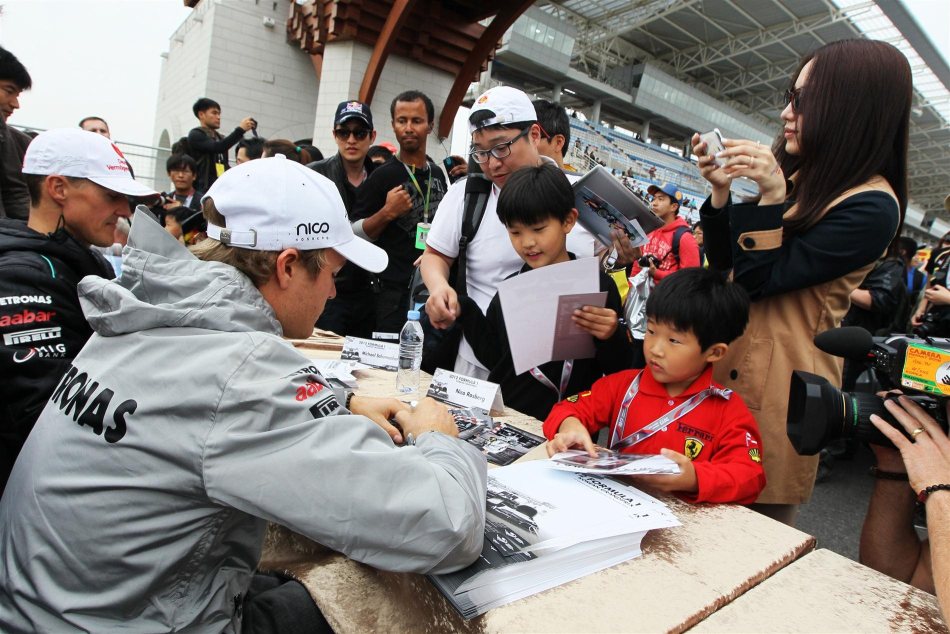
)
(693, 448)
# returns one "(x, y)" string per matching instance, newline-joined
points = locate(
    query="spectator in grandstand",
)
(505, 137)
(397, 204)
(79, 185)
(248, 150)
(200, 424)
(14, 197)
(97, 125)
(207, 146)
(555, 131)
(352, 310)
(379, 154)
(809, 241)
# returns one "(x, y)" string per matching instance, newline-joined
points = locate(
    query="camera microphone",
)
(850, 342)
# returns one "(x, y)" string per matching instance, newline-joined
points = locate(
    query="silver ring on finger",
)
(751, 161)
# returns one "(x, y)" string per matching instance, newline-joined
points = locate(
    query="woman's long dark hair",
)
(855, 118)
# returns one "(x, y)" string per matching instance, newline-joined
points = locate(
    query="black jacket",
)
(333, 169)
(888, 299)
(41, 322)
(208, 147)
(14, 197)
(351, 278)
(488, 337)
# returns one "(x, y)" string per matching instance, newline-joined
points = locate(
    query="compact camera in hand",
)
(647, 260)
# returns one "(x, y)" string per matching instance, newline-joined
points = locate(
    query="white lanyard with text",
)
(546, 382)
(617, 440)
(425, 199)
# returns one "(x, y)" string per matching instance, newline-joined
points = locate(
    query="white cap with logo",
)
(273, 204)
(507, 105)
(81, 154)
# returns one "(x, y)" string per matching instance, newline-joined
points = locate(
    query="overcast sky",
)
(102, 57)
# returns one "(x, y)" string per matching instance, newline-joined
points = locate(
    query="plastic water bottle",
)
(410, 354)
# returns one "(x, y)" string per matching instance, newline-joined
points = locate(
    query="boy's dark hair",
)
(204, 104)
(534, 194)
(181, 161)
(553, 119)
(12, 69)
(379, 150)
(700, 301)
(410, 96)
(253, 147)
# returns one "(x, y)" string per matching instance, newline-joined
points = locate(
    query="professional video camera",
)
(819, 413)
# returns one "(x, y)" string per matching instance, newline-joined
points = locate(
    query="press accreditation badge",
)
(422, 230)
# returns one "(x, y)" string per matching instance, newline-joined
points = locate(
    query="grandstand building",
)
(638, 76)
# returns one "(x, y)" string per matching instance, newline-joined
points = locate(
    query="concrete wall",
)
(226, 52)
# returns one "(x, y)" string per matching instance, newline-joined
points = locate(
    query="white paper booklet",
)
(546, 527)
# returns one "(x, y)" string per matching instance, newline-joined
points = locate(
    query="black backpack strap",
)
(477, 192)
(677, 236)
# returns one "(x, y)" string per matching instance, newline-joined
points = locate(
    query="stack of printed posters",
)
(546, 527)
(502, 444)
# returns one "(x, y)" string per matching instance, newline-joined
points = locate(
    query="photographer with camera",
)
(889, 542)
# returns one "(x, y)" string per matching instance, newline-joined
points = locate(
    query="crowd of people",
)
(149, 426)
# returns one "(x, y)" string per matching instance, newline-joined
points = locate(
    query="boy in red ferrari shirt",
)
(673, 406)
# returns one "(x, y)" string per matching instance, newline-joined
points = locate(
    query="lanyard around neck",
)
(617, 440)
(546, 382)
(425, 199)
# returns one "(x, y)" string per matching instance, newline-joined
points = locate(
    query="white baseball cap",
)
(81, 154)
(273, 204)
(507, 105)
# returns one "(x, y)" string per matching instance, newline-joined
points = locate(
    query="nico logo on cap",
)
(313, 227)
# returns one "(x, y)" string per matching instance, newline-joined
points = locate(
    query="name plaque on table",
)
(465, 391)
(377, 354)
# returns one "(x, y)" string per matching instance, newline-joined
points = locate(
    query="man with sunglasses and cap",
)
(79, 187)
(188, 423)
(505, 138)
(352, 311)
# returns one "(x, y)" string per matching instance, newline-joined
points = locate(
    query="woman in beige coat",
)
(832, 196)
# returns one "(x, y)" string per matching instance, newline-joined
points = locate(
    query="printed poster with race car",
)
(603, 204)
(502, 444)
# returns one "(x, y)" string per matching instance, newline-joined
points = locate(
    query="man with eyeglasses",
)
(352, 310)
(398, 202)
(505, 138)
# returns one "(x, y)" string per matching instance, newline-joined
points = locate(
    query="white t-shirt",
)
(490, 256)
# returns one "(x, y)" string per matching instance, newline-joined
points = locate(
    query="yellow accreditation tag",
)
(219, 169)
(422, 230)
(927, 368)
